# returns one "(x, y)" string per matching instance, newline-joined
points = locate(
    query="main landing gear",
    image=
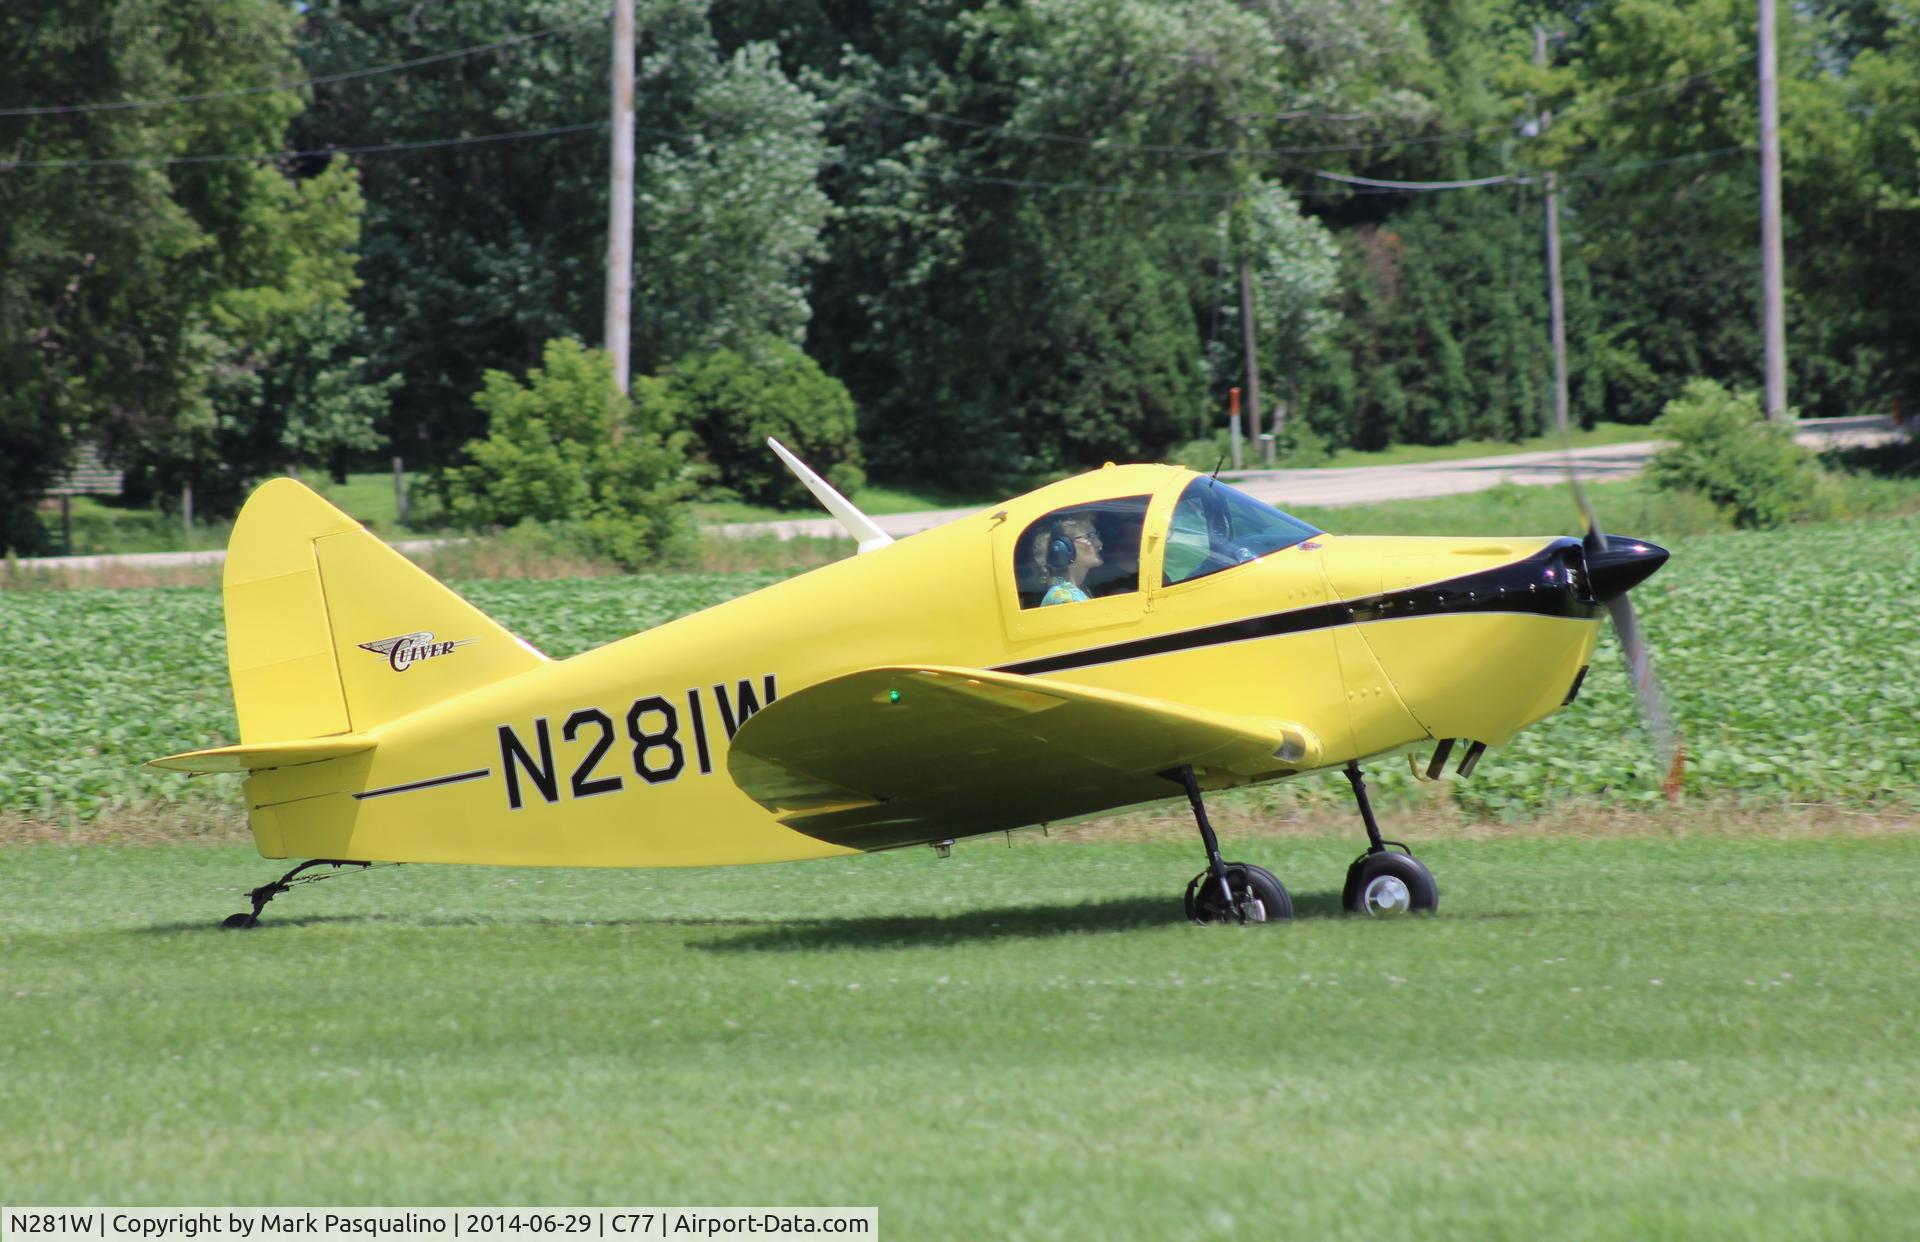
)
(267, 892)
(1230, 892)
(1380, 881)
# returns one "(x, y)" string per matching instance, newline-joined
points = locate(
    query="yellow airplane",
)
(1130, 634)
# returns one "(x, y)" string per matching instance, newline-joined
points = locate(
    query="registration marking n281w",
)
(654, 726)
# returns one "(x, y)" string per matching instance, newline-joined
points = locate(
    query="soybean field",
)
(1789, 657)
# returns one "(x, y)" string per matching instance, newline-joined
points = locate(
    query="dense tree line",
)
(1012, 229)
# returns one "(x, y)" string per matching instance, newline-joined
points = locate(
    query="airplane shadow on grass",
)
(770, 933)
(998, 923)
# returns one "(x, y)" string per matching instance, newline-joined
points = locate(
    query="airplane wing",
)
(902, 755)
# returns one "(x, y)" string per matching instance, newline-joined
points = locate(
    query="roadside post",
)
(1233, 424)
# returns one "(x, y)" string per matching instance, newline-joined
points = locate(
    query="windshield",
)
(1216, 527)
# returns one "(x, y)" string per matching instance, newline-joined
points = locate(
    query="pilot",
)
(1119, 571)
(1067, 549)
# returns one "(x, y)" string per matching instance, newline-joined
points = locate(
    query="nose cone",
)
(1624, 565)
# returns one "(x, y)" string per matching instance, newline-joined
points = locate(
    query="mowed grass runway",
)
(1708, 1036)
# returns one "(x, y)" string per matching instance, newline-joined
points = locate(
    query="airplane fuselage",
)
(618, 756)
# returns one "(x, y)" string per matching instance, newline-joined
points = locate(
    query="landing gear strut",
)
(267, 892)
(1381, 882)
(1229, 891)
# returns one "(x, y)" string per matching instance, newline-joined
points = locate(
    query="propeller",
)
(1614, 566)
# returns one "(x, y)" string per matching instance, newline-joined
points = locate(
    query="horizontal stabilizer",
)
(262, 755)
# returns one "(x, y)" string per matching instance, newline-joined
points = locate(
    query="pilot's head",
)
(1069, 548)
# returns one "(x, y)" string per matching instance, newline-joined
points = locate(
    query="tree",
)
(1025, 273)
(141, 302)
(1880, 265)
(1445, 332)
(566, 447)
(486, 251)
(1294, 267)
(730, 217)
(282, 385)
(1664, 100)
(730, 403)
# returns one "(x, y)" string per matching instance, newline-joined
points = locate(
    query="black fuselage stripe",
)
(455, 779)
(1512, 588)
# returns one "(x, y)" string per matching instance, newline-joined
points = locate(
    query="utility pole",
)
(1556, 302)
(1240, 230)
(1772, 261)
(620, 198)
(1253, 360)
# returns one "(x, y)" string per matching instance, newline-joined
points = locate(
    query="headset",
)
(1060, 549)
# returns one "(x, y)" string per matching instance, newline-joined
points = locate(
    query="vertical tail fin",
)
(330, 631)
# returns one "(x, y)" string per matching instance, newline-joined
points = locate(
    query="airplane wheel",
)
(1250, 885)
(1387, 884)
(241, 921)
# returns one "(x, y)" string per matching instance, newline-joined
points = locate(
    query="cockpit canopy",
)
(1216, 527)
(1091, 550)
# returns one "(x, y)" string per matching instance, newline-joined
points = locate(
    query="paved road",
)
(1327, 487)
(171, 560)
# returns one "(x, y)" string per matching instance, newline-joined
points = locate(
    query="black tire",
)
(241, 921)
(1248, 884)
(1371, 887)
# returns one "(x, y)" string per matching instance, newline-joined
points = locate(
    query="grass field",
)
(1641, 1037)
(1410, 454)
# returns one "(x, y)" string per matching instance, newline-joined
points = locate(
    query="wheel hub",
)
(1387, 894)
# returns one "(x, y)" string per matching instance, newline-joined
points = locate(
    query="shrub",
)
(567, 450)
(1724, 449)
(731, 403)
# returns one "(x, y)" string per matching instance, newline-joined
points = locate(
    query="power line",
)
(385, 148)
(279, 87)
(1362, 184)
(1640, 165)
(1358, 185)
(1023, 183)
(1369, 184)
(1372, 182)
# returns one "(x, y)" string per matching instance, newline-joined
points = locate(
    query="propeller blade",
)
(1667, 742)
(1596, 540)
(1647, 695)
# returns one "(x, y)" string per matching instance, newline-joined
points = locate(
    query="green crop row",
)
(1791, 660)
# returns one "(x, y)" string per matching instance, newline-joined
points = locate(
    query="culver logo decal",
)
(408, 650)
